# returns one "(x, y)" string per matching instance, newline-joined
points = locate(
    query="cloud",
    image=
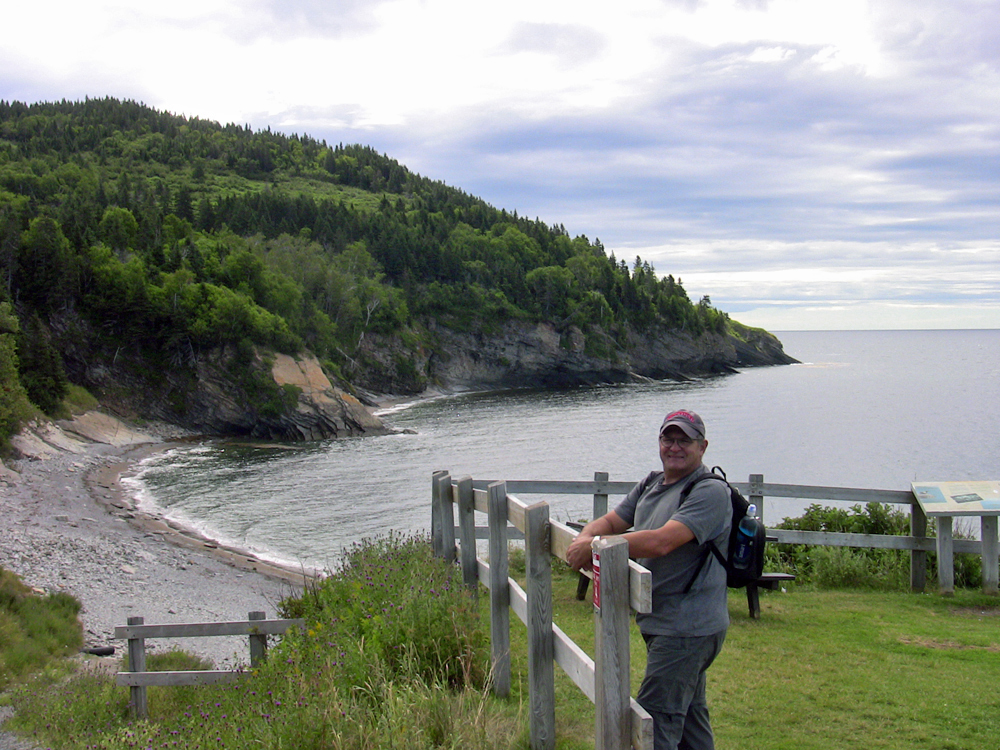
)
(328, 19)
(569, 44)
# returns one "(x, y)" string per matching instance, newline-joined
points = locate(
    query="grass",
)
(34, 629)
(382, 660)
(827, 668)
(855, 669)
(79, 400)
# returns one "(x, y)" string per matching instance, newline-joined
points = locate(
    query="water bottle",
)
(744, 539)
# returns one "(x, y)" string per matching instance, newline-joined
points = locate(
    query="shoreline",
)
(68, 524)
(104, 483)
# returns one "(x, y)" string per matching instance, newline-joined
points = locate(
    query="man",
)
(687, 626)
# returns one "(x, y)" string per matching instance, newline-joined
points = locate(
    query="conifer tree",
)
(40, 367)
(13, 399)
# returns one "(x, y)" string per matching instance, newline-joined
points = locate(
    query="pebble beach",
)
(67, 524)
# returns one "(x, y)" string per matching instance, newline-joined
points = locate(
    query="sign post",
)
(944, 501)
(611, 644)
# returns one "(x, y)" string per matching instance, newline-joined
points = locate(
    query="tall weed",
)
(394, 604)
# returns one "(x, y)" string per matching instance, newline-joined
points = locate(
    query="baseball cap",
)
(688, 421)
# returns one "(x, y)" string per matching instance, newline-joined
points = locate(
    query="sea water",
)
(871, 409)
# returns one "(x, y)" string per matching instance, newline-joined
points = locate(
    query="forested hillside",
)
(138, 240)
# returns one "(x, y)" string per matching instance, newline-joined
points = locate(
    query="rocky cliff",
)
(227, 391)
(321, 410)
(521, 354)
(223, 392)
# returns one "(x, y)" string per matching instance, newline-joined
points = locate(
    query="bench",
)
(772, 581)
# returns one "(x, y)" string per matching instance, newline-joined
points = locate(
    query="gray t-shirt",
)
(707, 512)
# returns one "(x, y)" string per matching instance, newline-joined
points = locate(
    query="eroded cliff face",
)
(269, 396)
(303, 405)
(524, 355)
(537, 355)
(273, 396)
(322, 410)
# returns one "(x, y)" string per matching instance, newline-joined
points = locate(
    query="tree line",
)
(160, 236)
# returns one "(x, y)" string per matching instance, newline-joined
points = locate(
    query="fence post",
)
(946, 555)
(448, 520)
(137, 663)
(437, 538)
(258, 642)
(918, 557)
(499, 588)
(990, 564)
(757, 495)
(467, 532)
(541, 646)
(445, 505)
(611, 647)
(600, 498)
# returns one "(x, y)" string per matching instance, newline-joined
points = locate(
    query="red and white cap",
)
(692, 425)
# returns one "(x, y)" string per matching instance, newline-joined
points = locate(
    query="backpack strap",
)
(710, 548)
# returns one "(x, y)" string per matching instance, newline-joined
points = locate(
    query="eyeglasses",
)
(680, 442)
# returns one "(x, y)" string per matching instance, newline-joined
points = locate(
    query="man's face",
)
(680, 454)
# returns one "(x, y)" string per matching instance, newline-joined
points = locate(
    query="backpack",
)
(737, 576)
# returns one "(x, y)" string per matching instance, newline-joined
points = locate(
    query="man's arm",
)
(658, 542)
(578, 553)
(644, 543)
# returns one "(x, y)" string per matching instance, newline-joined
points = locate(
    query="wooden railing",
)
(918, 543)
(136, 632)
(625, 585)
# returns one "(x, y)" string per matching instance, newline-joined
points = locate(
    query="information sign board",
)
(958, 498)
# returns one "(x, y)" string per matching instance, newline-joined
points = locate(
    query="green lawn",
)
(829, 669)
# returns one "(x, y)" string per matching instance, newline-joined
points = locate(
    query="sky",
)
(807, 164)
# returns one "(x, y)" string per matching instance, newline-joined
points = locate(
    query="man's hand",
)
(579, 554)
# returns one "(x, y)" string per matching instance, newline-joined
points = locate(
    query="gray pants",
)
(673, 690)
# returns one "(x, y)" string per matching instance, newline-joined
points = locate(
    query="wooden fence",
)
(624, 584)
(918, 543)
(136, 632)
(602, 679)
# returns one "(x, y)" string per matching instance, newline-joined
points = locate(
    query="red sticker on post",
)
(596, 559)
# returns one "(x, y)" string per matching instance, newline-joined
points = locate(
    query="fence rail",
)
(918, 543)
(137, 679)
(620, 721)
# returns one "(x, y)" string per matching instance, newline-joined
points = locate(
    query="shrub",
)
(848, 567)
(391, 607)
